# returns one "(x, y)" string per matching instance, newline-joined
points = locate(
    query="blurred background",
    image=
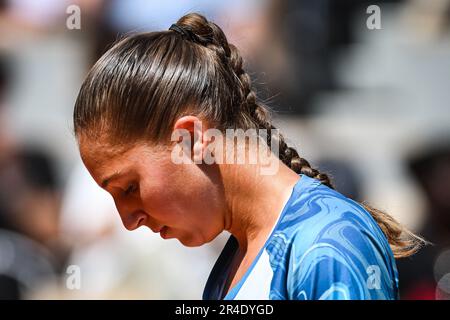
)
(369, 106)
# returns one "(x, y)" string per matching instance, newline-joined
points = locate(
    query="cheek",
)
(182, 196)
(158, 201)
(180, 203)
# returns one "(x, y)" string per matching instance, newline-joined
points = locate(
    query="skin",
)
(196, 202)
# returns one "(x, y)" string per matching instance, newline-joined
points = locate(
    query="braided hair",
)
(144, 82)
(197, 28)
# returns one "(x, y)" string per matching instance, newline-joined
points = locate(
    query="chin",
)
(190, 241)
(191, 245)
(197, 241)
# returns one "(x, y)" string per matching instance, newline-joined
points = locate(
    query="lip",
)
(163, 231)
(158, 230)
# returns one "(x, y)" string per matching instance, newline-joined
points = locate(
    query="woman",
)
(292, 235)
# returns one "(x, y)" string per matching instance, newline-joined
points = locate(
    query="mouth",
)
(158, 230)
(163, 232)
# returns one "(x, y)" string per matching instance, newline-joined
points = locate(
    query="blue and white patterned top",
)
(323, 246)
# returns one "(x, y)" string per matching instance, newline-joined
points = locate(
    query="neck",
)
(254, 201)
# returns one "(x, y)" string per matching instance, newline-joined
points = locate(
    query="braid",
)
(145, 82)
(252, 113)
(261, 115)
(210, 35)
(207, 34)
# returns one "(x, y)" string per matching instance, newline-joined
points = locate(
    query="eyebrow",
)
(110, 178)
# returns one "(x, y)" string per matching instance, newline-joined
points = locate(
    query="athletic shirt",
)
(323, 246)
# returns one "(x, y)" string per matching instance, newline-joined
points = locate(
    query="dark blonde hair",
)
(139, 87)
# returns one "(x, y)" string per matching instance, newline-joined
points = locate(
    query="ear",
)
(194, 126)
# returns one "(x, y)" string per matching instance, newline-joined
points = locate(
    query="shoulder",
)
(320, 214)
(334, 248)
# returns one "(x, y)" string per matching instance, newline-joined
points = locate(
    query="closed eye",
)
(131, 189)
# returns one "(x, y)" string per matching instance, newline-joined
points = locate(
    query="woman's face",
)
(184, 200)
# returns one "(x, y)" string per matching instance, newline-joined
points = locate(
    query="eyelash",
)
(131, 189)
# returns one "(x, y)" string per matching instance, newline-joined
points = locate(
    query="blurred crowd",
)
(369, 107)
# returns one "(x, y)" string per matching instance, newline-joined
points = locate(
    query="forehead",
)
(96, 150)
(103, 159)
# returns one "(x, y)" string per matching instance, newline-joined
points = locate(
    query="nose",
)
(134, 220)
(131, 215)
